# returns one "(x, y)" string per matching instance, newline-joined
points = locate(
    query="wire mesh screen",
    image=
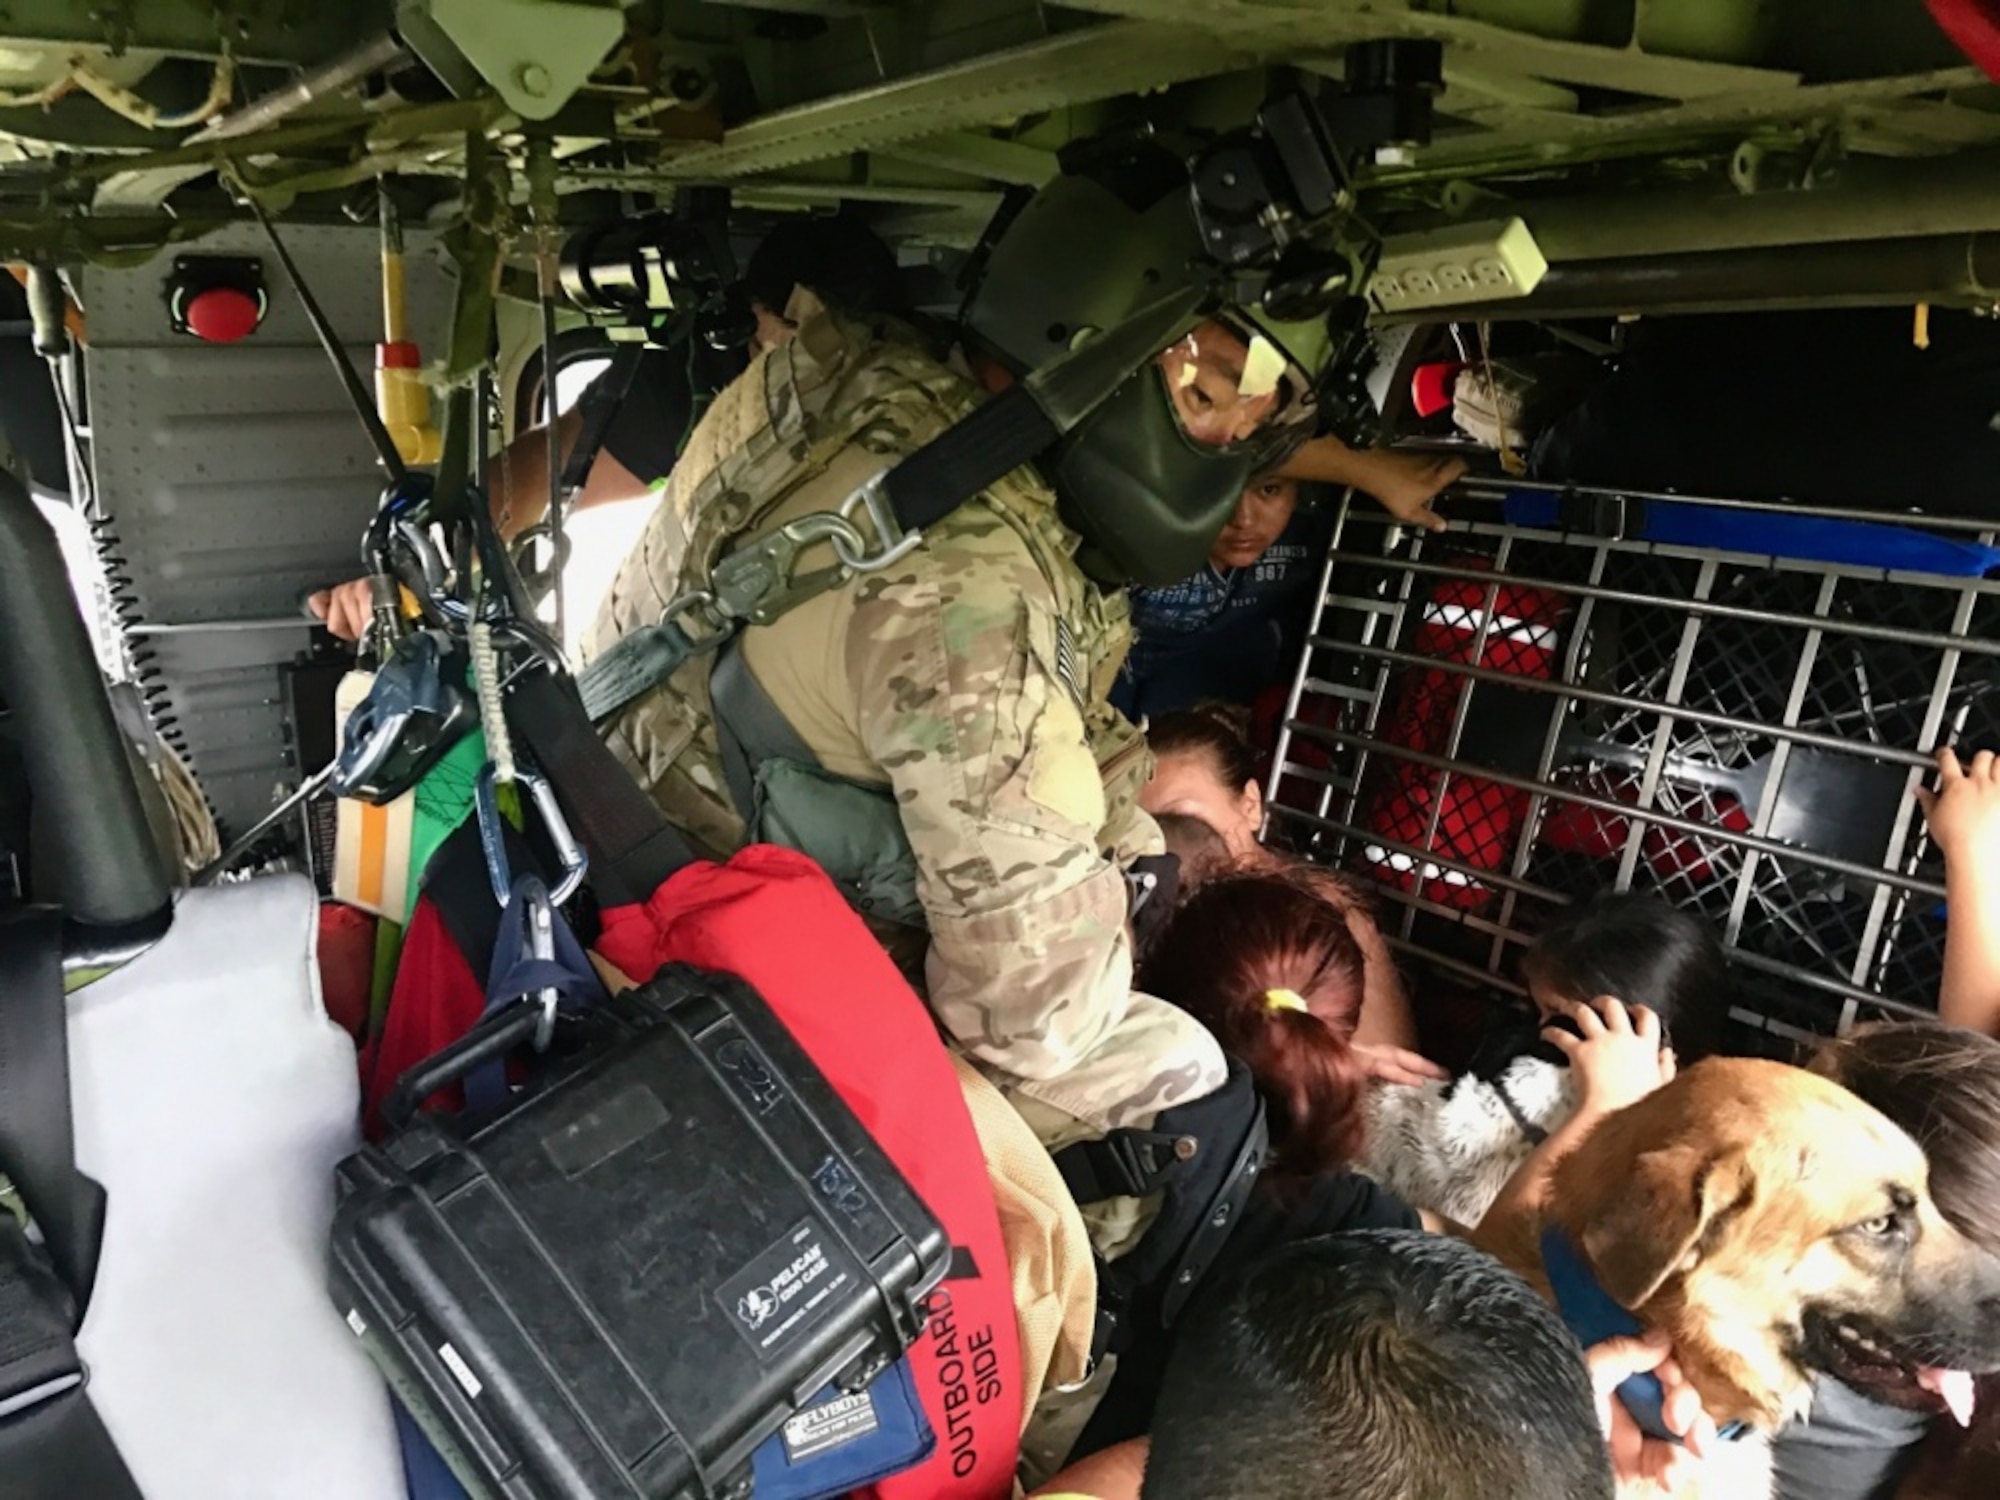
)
(1495, 721)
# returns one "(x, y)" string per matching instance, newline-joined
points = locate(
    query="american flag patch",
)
(1066, 661)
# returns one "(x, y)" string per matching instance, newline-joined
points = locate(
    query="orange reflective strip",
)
(374, 856)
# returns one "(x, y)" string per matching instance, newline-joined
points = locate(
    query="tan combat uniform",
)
(969, 680)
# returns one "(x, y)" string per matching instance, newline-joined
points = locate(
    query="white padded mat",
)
(212, 1099)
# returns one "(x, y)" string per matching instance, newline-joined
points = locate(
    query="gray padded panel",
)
(236, 478)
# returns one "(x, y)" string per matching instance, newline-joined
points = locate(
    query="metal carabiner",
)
(682, 607)
(894, 539)
(492, 837)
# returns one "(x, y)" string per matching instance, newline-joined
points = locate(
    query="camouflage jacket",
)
(969, 680)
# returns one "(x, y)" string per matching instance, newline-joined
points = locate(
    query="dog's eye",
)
(1881, 1226)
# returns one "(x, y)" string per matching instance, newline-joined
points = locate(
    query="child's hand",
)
(1964, 812)
(1618, 1059)
(1642, 1464)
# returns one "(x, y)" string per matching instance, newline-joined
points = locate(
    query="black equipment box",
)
(632, 1273)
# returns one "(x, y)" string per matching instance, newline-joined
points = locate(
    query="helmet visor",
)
(1229, 384)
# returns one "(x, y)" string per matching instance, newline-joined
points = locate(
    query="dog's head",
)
(1778, 1227)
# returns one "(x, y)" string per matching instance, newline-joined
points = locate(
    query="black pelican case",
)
(634, 1271)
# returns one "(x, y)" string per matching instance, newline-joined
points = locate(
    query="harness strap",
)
(633, 848)
(1125, 1164)
(1204, 1158)
(52, 1443)
(599, 405)
(749, 727)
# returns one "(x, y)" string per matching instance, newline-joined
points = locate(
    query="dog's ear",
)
(1653, 1225)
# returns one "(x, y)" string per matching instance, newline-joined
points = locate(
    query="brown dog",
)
(1777, 1228)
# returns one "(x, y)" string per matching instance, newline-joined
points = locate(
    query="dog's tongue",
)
(1954, 1389)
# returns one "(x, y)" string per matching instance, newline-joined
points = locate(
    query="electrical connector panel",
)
(1486, 262)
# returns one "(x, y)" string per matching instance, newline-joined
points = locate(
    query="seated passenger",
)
(1386, 1366)
(1262, 960)
(1204, 769)
(1229, 632)
(1963, 815)
(1269, 966)
(1863, 1435)
(1232, 630)
(1450, 1147)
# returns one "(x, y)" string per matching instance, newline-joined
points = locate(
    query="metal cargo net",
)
(1724, 703)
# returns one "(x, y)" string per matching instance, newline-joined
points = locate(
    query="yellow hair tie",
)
(1277, 1000)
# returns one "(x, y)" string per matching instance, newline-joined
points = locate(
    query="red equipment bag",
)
(1476, 819)
(774, 918)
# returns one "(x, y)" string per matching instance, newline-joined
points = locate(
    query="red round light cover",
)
(222, 315)
(1430, 387)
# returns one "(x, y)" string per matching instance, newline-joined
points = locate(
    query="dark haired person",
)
(838, 259)
(1388, 1365)
(1203, 768)
(1861, 1441)
(1226, 633)
(1450, 1147)
(1233, 629)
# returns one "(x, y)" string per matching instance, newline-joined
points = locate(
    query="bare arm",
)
(1404, 484)
(520, 473)
(1112, 1474)
(1964, 818)
(1386, 1020)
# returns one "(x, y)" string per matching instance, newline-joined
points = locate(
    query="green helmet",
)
(1150, 477)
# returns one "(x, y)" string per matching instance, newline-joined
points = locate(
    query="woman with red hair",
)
(1267, 963)
(1261, 957)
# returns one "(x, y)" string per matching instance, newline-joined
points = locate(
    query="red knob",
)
(222, 315)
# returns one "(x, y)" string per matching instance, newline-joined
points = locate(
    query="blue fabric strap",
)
(1593, 1316)
(516, 971)
(1757, 533)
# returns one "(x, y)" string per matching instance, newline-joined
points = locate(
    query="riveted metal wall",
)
(233, 479)
(1504, 718)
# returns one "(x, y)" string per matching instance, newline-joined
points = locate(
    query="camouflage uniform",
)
(969, 680)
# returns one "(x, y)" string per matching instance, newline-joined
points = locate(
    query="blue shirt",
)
(1225, 633)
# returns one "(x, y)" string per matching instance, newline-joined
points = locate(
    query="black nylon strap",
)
(749, 727)
(960, 462)
(52, 1444)
(1595, 513)
(458, 886)
(1123, 1164)
(633, 848)
(37, 1148)
(59, 1450)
